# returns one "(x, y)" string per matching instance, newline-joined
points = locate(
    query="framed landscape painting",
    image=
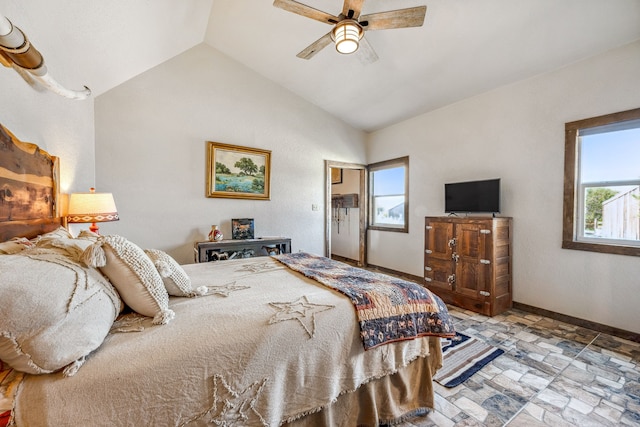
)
(238, 172)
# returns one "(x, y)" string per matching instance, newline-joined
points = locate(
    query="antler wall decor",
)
(16, 51)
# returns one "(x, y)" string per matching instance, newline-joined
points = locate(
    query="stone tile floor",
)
(551, 374)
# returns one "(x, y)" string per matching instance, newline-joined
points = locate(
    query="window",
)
(389, 195)
(602, 184)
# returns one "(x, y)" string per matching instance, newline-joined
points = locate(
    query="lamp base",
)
(94, 228)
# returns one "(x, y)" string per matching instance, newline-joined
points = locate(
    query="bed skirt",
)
(369, 405)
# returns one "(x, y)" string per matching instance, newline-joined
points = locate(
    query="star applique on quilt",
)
(233, 408)
(262, 267)
(301, 310)
(225, 290)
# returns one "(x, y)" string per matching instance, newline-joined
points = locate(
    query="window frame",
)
(571, 238)
(389, 164)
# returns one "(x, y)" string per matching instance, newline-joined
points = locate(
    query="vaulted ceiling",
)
(464, 48)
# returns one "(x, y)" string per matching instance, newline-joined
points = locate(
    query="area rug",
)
(463, 356)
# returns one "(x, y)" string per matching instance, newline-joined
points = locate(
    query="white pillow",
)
(175, 279)
(54, 311)
(133, 274)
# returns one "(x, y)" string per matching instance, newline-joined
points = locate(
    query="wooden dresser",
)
(467, 262)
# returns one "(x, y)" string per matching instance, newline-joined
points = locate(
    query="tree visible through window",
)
(389, 195)
(602, 184)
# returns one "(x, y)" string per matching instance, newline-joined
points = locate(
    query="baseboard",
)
(384, 270)
(598, 327)
(406, 276)
(344, 259)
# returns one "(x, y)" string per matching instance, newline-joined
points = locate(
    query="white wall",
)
(150, 152)
(516, 133)
(58, 125)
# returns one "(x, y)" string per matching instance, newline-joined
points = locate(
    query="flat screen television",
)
(472, 196)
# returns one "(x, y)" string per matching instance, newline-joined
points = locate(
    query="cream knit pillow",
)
(55, 311)
(175, 279)
(133, 274)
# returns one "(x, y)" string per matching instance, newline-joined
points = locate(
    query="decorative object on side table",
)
(242, 228)
(272, 249)
(215, 235)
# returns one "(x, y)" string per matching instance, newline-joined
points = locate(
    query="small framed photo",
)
(242, 228)
(238, 172)
(336, 176)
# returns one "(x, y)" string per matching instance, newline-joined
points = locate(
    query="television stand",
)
(467, 262)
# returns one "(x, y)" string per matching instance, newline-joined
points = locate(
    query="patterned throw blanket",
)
(388, 309)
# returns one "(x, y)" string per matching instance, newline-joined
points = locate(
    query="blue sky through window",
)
(611, 156)
(388, 181)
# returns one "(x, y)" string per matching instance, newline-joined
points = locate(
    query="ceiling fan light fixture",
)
(347, 34)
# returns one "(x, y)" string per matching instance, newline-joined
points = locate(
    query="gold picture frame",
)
(237, 172)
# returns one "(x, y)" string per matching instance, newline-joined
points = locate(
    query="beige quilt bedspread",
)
(265, 347)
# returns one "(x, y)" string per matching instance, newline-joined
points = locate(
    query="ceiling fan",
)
(349, 26)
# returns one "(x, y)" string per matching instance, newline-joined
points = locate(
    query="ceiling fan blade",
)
(366, 54)
(402, 18)
(353, 5)
(307, 11)
(315, 47)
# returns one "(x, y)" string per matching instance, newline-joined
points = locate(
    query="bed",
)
(96, 330)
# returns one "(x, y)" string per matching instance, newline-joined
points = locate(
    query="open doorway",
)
(346, 211)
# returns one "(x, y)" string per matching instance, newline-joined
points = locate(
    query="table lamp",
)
(91, 208)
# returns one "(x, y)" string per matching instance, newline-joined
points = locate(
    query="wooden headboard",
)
(29, 188)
